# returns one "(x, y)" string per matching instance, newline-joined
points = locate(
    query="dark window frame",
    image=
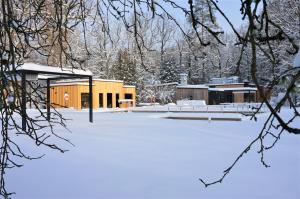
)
(117, 100)
(84, 104)
(128, 94)
(109, 102)
(101, 100)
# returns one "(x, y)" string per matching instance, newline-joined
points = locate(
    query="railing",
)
(237, 107)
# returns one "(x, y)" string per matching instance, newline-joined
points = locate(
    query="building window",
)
(249, 97)
(128, 96)
(84, 100)
(100, 100)
(226, 97)
(109, 100)
(117, 100)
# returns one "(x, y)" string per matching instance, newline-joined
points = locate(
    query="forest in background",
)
(161, 51)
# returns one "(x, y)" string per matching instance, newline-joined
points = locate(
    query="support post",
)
(91, 98)
(48, 99)
(23, 105)
(249, 97)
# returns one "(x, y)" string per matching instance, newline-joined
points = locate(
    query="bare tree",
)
(262, 32)
(44, 28)
(27, 28)
(103, 47)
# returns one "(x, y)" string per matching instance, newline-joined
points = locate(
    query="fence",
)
(228, 107)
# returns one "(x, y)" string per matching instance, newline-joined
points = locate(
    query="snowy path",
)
(138, 155)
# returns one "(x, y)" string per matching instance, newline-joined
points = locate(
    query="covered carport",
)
(49, 73)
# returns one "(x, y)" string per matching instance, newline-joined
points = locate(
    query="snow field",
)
(141, 155)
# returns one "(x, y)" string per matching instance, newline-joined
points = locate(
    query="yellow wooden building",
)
(106, 94)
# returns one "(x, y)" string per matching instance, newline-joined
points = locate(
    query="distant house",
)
(192, 92)
(106, 94)
(233, 93)
(217, 91)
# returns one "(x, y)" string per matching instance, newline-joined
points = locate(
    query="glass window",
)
(100, 100)
(117, 100)
(128, 96)
(84, 100)
(109, 100)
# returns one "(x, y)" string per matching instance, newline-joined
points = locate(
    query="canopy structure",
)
(241, 89)
(48, 73)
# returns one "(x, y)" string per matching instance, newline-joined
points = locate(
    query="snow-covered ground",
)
(141, 155)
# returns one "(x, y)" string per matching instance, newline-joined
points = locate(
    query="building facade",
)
(192, 92)
(233, 93)
(106, 94)
(218, 91)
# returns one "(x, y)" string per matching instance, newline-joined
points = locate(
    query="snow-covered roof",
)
(71, 84)
(233, 89)
(199, 86)
(47, 76)
(128, 86)
(224, 80)
(108, 80)
(125, 100)
(163, 84)
(225, 84)
(84, 80)
(42, 69)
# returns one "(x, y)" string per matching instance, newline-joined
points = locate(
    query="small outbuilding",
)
(192, 92)
(185, 91)
(35, 72)
(106, 94)
(233, 93)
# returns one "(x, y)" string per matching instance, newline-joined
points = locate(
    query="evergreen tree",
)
(125, 68)
(169, 71)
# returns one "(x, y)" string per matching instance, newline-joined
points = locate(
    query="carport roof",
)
(52, 72)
